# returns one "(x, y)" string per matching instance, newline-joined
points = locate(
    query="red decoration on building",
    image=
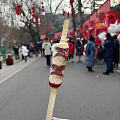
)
(18, 9)
(101, 17)
(43, 9)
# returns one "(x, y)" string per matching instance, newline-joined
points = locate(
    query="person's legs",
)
(49, 61)
(111, 65)
(89, 69)
(15, 56)
(46, 59)
(107, 61)
(25, 57)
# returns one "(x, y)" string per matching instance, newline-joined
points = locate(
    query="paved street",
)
(82, 96)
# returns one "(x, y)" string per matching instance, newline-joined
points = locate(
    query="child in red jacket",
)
(9, 60)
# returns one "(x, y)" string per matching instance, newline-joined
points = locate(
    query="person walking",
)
(116, 52)
(71, 51)
(78, 49)
(90, 54)
(100, 54)
(16, 51)
(25, 52)
(108, 54)
(47, 51)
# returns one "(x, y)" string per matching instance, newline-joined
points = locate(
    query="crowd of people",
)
(107, 52)
(22, 52)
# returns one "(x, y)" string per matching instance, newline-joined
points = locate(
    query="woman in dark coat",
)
(108, 54)
(90, 57)
(78, 48)
(116, 52)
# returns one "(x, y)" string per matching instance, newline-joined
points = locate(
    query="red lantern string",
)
(33, 9)
(63, 12)
(43, 9)
(18, 9)
(68, 15)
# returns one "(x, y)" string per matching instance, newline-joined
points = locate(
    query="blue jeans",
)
(109, 65)
(25, 58)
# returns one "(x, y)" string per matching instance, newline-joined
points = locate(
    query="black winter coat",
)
(116, 51)
(108, 48)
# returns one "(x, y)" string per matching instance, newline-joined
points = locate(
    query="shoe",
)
(92, 71)
(105, 73)
(112, 72)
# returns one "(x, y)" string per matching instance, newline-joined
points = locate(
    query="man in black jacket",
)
(108, 54)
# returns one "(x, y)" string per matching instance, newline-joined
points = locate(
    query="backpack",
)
(88, 49)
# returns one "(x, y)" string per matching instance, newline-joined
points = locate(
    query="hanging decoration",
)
(43, 9)
(111, 18)
(35, 16)
(33, 10)
(18, 9)
(68, 15)
(63, 12)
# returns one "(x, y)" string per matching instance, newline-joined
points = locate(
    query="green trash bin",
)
(3, 51)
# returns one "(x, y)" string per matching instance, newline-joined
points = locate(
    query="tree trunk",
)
(79, 13)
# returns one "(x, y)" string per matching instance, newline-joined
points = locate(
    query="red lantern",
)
(111, 18)
(42, 7)
(18, 9)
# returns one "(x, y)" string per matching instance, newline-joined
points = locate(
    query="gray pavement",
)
(82, 96)
(9, 71)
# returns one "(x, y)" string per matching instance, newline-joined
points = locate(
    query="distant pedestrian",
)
(116, 52)
(25, 52)
(108, 54)
(90, 54)
(78, 48)
(100, 54)
(20, 53)
(71, 51)
(16, 51)
(84, 42)
(47, 51)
